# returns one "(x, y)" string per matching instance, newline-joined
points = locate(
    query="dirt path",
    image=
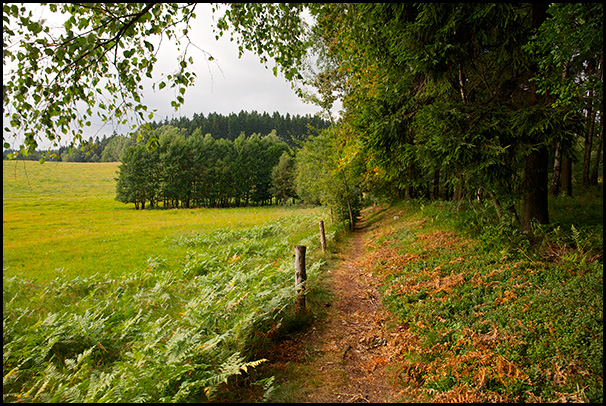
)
(342, 357)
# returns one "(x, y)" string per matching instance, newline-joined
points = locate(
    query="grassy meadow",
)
(61, 218)
(103, 303)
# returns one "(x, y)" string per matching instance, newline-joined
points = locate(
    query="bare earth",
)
(343, 357)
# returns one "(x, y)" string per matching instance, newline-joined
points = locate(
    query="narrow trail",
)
(342, 357)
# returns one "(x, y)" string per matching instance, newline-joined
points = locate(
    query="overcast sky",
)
(226, 85)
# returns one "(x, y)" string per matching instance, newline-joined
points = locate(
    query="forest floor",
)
(344, 356)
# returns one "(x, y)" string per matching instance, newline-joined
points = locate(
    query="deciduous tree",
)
(93, 65)
(282, 179)
(468, 95)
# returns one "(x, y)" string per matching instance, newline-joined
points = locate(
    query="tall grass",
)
(175, 327)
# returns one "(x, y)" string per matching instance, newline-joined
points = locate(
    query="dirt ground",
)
(343, 357)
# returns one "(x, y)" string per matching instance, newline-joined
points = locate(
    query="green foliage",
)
(157, 334)
(429, 100)
(289, 128)
(443, 98)
(84, 230)
(282, 179)
(199, 171)
(94, 63)
(449, 97)
(569, 44)
(322, 177)
(276, 31)
(494, 315)
(135, 180)
(115, 147)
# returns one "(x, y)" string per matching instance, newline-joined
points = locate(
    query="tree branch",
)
(116, 38)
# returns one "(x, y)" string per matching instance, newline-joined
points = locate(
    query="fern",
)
(156, 334)
(230, 367)
(576, 236)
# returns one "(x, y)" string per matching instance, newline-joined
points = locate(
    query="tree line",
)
(491, 103)
(496, 102)
(203, 171)
(291, 129)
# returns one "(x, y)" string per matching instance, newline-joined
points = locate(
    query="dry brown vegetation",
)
(362, 352)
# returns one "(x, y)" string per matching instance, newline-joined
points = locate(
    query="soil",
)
(343, 357)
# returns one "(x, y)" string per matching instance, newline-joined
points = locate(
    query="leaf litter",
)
(360, 351)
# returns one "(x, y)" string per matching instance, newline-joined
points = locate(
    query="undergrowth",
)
(158, 334)
(488, 313)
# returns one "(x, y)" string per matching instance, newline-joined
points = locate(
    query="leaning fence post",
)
(322, 237)
(300, 275)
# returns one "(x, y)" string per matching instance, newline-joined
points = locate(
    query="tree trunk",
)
(593, 179)
(592, 111)
(554, 189)
(436, 184)
(458, 192)
(588, 140)
(480, 195)
(536, 179)
(462, 84)
(351, 219)
(599, 136)
(496, 204)
(535, 188)
(567, 176)
(409, 192)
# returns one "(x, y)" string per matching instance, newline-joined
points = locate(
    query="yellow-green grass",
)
(61, 218)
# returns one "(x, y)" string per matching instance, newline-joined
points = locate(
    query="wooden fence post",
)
(322, 237)
(300, 275)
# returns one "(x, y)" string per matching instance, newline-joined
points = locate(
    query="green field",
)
(104, 303)
(61, 218)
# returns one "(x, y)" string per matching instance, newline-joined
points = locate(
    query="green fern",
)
(156, 334)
